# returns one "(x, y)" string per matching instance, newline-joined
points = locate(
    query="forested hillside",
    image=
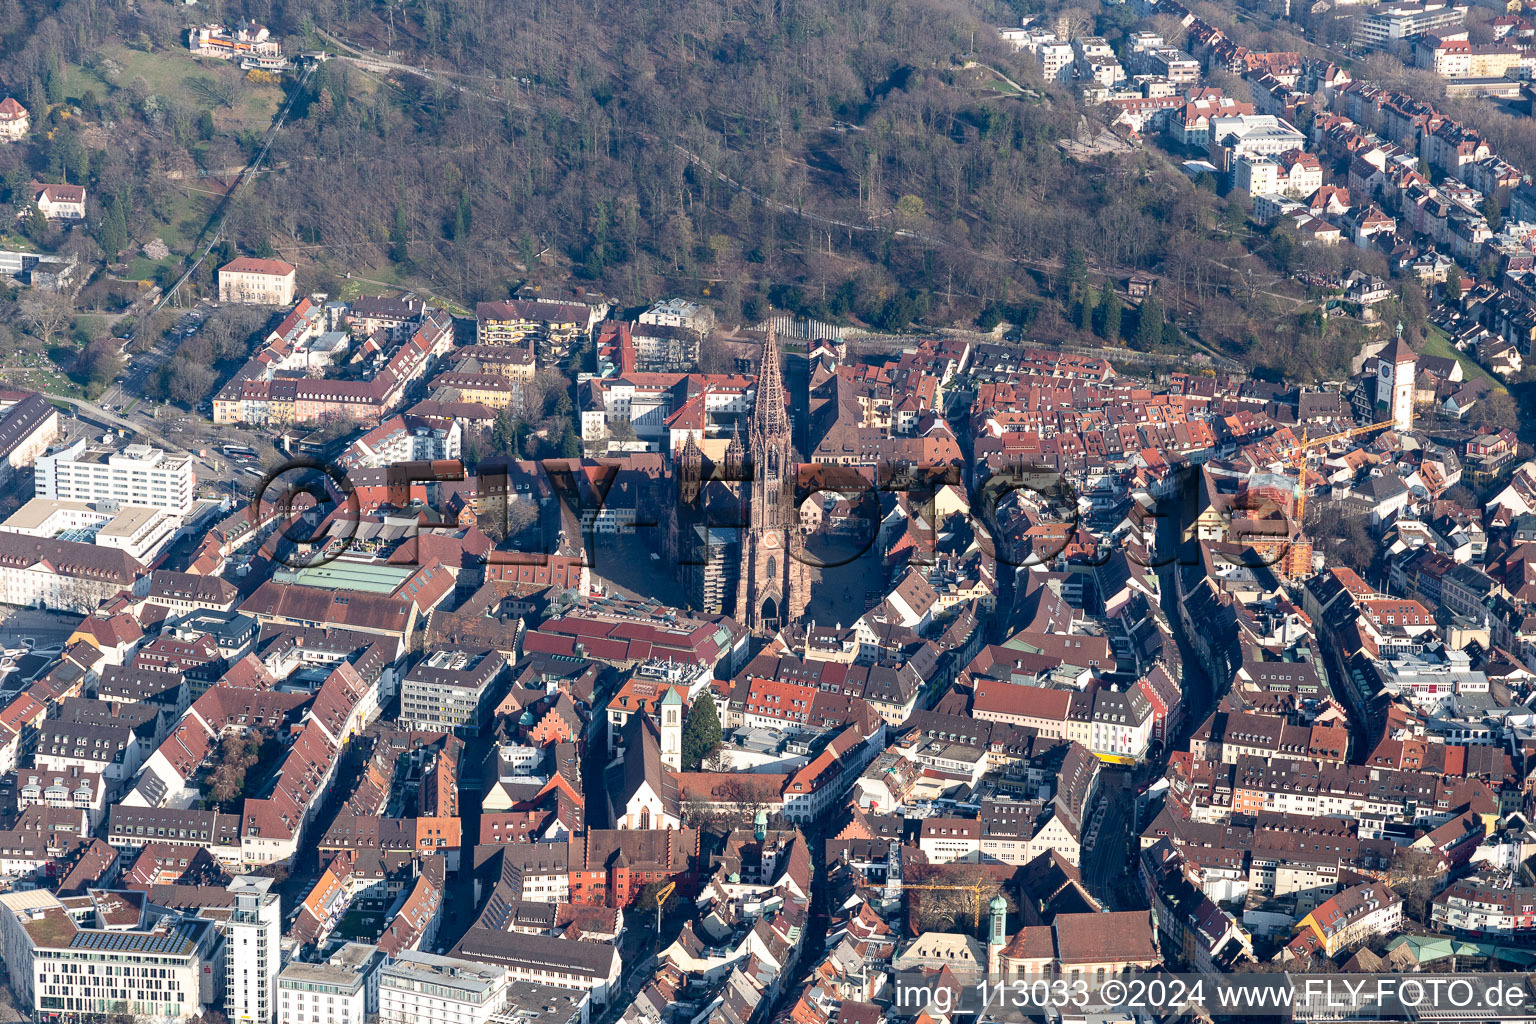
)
(843, 158)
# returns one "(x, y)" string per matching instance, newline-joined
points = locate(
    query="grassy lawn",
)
(387, 279)
(143, 269)
(92, 325)
(176, 73)
(48, 380)
(1437, 344)
(998, 85)
(189, 215)
(356, 924)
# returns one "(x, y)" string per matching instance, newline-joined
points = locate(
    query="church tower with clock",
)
(774, 584)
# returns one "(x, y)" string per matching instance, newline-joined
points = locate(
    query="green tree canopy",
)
(1149, 325)
(701, 731)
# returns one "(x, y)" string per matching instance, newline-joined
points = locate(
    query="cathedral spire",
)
(769, 417)
(773, 585)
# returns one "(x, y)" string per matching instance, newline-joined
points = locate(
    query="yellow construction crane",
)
(976, 889)
(1299, 461)
(662, 895)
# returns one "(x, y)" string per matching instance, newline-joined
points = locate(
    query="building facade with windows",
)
(258, 282)
(137, 474)
(423, 988)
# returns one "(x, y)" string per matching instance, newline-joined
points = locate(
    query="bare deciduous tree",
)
(47, 314)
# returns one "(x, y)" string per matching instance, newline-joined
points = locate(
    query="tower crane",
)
(1299, 461)
(976, 889)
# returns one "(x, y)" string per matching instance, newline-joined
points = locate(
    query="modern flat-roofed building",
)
(1386, 25)
(139, 530)
(680, 313)
(1251, 135)
(422, 988)
(451, 690)
(343, 990)
(254, 953)
(136, 474)
(108, 953)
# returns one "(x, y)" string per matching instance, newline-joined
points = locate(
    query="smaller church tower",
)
(670, 709)
(1396, 370)
(997, 934)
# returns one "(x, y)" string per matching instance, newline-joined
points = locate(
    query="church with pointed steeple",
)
(774, 583)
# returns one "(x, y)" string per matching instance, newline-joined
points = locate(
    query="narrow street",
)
(1105, 860)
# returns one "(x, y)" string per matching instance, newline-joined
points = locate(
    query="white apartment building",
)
(1271, 207)
(259, 282)
(422, 988)
(1486, 907)
(651, 402)
(1092, 48)
(343, 990)
(680, 313)
(137, 475)
(1389, 24)
(1053, 55)
(253, 946)
(107, 954)
(951, 840)
(1257, 175)
(1055, 59)
(451, 690)
(1259, 134)
(1107, 73)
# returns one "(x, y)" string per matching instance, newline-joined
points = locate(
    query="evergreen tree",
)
(570, 445)
(1491, 212)
(462, 218)
(1149, 325)
(37, 224)
(701, 731)
(1077, 275)
(113, 234)
(1171, 338)
(504, 434)
(16, 187)
(400, 237)
(1083, 314)
(1107, 316)
(1453, 284)
(1112, 314)
(37, 102)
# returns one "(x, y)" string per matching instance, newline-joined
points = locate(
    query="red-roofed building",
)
(15, 122)
(59, 202)
(257, 281)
